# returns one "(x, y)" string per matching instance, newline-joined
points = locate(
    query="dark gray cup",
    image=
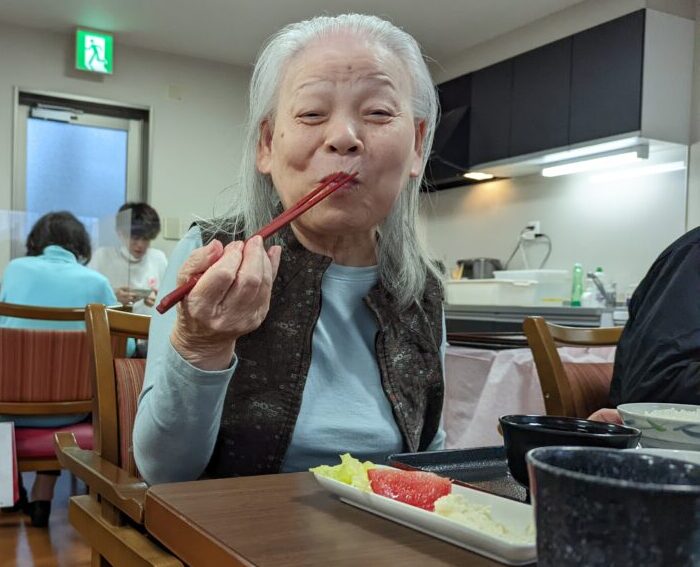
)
(609, 508)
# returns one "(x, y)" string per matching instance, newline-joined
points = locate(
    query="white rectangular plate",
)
(514, 515)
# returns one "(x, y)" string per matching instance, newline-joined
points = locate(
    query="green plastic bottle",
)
(577, 286)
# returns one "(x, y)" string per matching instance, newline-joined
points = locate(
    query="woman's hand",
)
(230, 300)
(124, 296)
(150, 299)
(608, 415)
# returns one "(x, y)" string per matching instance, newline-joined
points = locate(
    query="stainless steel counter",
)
(500, 318)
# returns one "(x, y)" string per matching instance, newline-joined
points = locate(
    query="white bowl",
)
(677, 454)
(663, 432)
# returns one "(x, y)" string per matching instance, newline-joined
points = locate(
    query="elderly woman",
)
(332, 339)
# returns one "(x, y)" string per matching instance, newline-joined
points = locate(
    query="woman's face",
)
(344, 105)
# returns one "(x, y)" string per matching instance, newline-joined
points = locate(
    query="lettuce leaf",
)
(350, 471)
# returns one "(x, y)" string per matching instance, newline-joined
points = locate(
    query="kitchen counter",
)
(509, 318)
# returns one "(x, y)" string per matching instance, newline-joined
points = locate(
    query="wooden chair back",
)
(118, 381)
(573, 390)
(111, 517)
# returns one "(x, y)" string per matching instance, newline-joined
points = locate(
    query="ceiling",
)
(232, 31)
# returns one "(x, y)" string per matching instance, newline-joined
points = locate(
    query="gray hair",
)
(402, 257)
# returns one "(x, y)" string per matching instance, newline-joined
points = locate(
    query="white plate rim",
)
(641, 414)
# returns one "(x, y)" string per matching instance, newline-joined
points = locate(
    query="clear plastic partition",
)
(111, 256)
(16, 225)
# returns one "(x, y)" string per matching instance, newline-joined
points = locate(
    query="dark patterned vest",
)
(264, 397)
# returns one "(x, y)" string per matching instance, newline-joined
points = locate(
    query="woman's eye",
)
(381, 113)
(311, 115)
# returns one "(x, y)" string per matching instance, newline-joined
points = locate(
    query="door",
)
(76, 157)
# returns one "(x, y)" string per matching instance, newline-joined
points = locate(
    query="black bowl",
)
(522, 433)
(604, 507)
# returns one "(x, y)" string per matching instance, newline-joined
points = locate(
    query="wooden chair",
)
(570, 389)
(111, 517)
(44, 373)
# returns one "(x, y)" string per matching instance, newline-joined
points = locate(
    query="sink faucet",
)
(608, 295)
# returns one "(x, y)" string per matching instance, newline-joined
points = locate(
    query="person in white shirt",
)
(134, 269)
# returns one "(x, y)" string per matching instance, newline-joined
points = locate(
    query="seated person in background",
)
(332, 340)
(52, 274)
(658, 356)
(134, 265)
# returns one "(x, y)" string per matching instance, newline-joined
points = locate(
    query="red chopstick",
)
(328, 186)
(301, 202)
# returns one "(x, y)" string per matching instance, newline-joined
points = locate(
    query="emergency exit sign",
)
(94, 51)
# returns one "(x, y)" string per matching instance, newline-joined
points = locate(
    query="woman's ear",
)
(263, 158)
(419, 137)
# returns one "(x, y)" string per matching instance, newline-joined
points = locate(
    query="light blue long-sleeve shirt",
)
(343, 408)
(53, 279)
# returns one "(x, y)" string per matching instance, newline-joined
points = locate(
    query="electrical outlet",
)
(172, 228)
(531, 230)
(534, 226)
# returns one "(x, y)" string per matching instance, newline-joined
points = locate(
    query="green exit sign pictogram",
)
(94, 51)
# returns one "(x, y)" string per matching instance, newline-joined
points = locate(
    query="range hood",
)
(652, 156)
(539, 163)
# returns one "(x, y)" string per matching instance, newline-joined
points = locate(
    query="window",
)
(81, 156)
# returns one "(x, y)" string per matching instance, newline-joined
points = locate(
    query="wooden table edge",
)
(199, 548)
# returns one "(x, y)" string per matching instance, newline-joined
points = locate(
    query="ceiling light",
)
(610, 159)
(639, 171)
(478, 176)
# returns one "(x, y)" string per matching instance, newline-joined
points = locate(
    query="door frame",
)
(138, 180)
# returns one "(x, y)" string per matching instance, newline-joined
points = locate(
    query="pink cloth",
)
(481, 385)
(37, 442)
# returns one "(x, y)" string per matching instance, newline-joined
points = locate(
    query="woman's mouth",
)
(336, 174)
(350, 185)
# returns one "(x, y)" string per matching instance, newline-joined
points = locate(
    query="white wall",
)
(621, 226)
(694, 170)
(196, 140)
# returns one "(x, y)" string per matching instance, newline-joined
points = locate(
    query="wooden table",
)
(284, 519)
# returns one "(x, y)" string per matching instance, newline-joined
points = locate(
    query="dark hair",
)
(145, 222)
(60, 229)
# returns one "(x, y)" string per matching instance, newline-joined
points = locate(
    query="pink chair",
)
(44, 373)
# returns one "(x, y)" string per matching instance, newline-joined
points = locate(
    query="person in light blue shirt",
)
(53, 274)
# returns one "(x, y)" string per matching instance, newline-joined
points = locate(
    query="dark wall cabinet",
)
(583, 87)
(490, 112)
(540, 100)
(606, 79)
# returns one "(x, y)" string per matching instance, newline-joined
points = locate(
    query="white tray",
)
(490, 292)
(512, 514)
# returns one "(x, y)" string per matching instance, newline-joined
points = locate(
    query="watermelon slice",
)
(416, 488)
